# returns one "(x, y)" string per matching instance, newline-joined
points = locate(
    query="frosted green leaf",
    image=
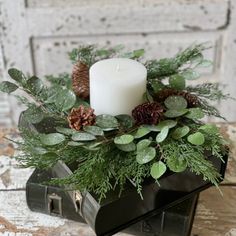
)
(169, 123)
(209, 128)
(180, 132)
(17, 75)
(35, 85)
(75, 144)
(66, 131)
(196, 138)
(143, 144)
(106, 121)
(125, 120)
(195, 113)
(190, 74)
(158, 169)
(175, 113)
(176, 164)
(127, 147)
(34, 114)
(176, 103)
(177, 82)
(8, 87)
(146, 155)
(52, 139)
(124, 139)
(95, 130)
(205, 63)
(162, 135)
(142, 131)
(82, 136)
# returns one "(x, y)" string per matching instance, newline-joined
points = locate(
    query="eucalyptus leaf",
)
(142, 131)
(127, 147)
(162, 135)
(143, 144)
(176, 103)
(8, 87)
(65, 100)
(65, 131)
(75, 144)
(125, 120)
(17, 75)
(35, 85)
(176, 164)
(95, 130)
(124, 139)
(166, 123)
(82, 136)
(106, 121)
(158, 169)
(205, 63)
(196, 138)
(157, 85)
(175, 113)
(190, 74)
(34, 114)
(209, 128)
(177, 82)
(195, 113)
(52, 139)
(180, 132)
(146, 155)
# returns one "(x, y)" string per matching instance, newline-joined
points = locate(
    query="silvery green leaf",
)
(146, 155)
(195, 113)
(127, 147)
(8, 87)
(175, 113)
(196, 138)
(75, 144)
(176, 164)
(82, 136)
(180, 132)
(142, 131)
(65, 131)
(176, 103)
(35, 85)
(158, 169)
(95, 130)
(177, 82)
(106, 121)
(190, 74)
(143, 144)
(34, 114)
(124, 139)
(52, 139)
(162, 135)
(125, 120)
(166, 123)
(17, 75)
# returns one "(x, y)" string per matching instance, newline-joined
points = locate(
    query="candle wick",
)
(118, 67)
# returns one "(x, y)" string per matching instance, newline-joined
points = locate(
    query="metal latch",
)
(54, 204)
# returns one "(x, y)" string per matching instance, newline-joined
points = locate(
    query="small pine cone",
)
(80, 80)
(165, 93)
(80, 117)
(148, 113)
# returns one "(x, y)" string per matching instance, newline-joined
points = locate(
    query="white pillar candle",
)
(117, 86)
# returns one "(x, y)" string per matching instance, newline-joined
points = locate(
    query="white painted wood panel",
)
(37, 34)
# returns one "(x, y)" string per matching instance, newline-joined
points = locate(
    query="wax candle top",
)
(122, 71)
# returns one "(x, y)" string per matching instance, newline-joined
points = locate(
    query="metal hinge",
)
(54, 204)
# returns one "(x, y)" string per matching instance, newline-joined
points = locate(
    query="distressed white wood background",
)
(36, 35)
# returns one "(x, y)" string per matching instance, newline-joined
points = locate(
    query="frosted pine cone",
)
(80, 117)
(80, 80)
(148, 113)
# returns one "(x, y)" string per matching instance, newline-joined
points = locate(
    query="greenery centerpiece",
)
(164, 133)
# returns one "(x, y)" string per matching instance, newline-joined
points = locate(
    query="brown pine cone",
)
(148, 113)
(165, 93)
(80, 117)
(80, 80)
